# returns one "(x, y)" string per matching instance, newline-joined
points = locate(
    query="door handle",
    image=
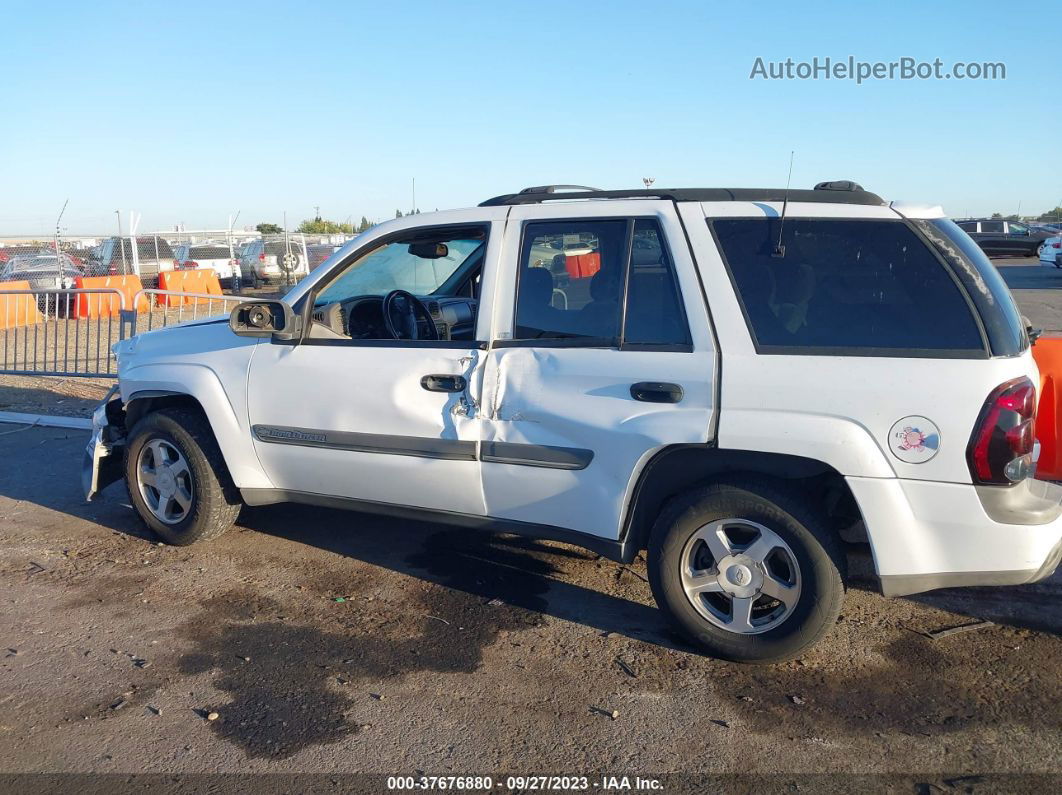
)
(444, 383)
(656, 392)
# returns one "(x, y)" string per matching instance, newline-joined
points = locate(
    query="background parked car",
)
(1051, 251)
(44, 272)
(206, 255)
(263, 261)
(114, 257)
(320, 252)
(1004, 238)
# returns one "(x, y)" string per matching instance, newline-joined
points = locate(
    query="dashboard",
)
(361, 318)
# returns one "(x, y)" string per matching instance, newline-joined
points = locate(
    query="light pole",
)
(121, 245)
(648, 181)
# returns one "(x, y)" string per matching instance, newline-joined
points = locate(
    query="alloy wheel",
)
(740, 576)
(165, 481)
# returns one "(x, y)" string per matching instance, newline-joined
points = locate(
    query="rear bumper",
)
(927, 535)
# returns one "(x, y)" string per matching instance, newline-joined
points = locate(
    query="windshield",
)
(394, 266)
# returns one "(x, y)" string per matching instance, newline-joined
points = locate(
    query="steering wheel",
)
(401, 310)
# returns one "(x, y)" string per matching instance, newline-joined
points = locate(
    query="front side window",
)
(420, 264)
(1018, 229)
(576, 276)
(846, 287)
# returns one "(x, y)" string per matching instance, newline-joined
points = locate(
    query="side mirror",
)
(265, 319)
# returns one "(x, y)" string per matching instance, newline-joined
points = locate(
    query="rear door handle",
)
(656, 392)
(444, 383)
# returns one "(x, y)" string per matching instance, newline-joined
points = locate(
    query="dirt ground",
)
(334, 643)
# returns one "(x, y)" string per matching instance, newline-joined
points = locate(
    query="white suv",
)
(741, 381)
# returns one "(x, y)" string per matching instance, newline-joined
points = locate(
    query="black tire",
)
(215, 501)
(253, 279)
(817, 551)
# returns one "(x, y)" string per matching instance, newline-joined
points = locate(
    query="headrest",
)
(604, 286)
(536, 286)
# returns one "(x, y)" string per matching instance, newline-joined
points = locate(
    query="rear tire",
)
(177, 479)
(766, 540)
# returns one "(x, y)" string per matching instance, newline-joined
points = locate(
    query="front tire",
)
(177, 479)
(746, 571)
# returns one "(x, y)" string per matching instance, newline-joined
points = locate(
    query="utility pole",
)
(317, 212)
(121, 245)
(414, 195)
(58, 251)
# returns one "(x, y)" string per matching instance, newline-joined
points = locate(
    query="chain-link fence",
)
(65, 301)
(240, 259)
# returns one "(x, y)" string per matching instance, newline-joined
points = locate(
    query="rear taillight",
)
(261, 257)
(1001, 447)
(1057, 245)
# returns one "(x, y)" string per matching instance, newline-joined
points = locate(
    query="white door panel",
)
(580, 400)
(538, 397)
(354, 421)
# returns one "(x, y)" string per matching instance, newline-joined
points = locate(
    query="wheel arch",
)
(678, 468)
(148, 389)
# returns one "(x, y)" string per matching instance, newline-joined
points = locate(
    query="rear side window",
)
(599, 282)
(846, 287)
(991, 227)
(210, 252)
(990, 294)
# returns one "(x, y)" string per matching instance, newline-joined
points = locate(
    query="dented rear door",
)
(568, 415)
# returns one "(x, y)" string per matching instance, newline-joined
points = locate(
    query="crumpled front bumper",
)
(102, 464)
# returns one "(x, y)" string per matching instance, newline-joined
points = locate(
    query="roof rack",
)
(837, 192)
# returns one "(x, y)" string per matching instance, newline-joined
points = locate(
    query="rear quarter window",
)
(984, 284)
(846, 287)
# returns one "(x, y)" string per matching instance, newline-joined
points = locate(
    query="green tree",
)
(269, 229)
(398, 213)
(1052, 215)
(320, 226)
(364, 226)
(997, 215)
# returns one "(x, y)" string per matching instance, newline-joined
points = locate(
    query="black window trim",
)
(605, 343)
(304, 306)
(849, 351)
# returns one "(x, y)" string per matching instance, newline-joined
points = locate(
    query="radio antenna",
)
(779, 249)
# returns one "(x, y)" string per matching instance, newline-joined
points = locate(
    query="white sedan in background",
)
(1051, 251)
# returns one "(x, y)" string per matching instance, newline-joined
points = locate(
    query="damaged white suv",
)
(741, 381)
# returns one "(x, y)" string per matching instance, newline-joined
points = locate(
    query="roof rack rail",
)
(837, 192)
(555, 188)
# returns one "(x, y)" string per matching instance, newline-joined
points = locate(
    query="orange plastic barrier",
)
(18, 310)
(204, 280)
(582, 266)
(103, 305)
(1048, 355)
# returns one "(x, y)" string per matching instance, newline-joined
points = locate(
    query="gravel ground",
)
(334, 643)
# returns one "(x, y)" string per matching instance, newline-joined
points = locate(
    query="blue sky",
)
(188, 112)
